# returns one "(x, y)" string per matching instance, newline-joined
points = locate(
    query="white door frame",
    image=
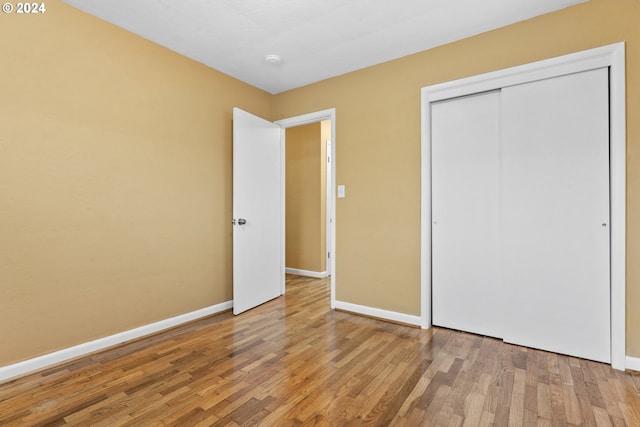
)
(304, 119)
(612, 56)
(329, 206)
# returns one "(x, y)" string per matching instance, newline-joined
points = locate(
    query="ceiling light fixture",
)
(273, 59)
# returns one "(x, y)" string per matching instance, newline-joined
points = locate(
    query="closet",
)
(520, 207)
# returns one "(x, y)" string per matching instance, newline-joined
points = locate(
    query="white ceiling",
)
(316, 39)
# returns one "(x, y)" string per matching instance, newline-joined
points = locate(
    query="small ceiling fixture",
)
(273, 59)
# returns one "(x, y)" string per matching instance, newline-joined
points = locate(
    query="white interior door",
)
(555, 214)
(465, 189)
(258, 267)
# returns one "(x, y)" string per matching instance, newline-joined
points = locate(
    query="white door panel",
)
(555, 214)
(465, 189)
(257, 199)
(520, 211)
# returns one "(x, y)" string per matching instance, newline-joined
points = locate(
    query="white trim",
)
(308, 118)
(379, 313)
(283, 210)
(553, 67)
(633, 363)
(38, 363)
(618, 176)
(308, 273)
(328, 206)
(304, 119)
(611, 56)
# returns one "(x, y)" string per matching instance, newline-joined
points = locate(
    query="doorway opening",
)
(307, 217)
(308, 152)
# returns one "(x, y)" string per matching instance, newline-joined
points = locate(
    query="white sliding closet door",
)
(465, 188)
(555, 214)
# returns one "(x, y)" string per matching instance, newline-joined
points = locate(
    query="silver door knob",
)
(242, 221)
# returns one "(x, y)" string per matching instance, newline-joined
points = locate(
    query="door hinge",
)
(328, 254)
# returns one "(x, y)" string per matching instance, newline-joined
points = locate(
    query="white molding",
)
(618, 177)
(328, 207)
(318, 116)
(38, 363)
(567, 64)
(379, 313)
(633, 363)
(308, 273)
(612, 56)
(306, 119)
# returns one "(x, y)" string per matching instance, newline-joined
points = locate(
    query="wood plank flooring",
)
(294, 362)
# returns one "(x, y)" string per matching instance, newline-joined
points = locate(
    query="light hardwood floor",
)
(293, 361)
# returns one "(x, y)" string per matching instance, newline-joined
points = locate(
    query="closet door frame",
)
(611, 56)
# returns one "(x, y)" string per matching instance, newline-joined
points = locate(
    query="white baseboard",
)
(38, 363)
(632, 363)
(315, 274)
(379, 313)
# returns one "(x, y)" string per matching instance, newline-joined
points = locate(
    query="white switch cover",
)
(340, 191)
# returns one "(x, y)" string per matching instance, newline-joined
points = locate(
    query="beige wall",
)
(305, 239)
(115, 181)
(378, 146)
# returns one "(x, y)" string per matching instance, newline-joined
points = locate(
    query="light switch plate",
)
(340, 191)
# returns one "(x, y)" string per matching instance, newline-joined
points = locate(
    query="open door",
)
(258, 268)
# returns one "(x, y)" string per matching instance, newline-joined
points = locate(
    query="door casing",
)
(329, 207)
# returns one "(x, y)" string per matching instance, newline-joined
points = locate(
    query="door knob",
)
(242, 221)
